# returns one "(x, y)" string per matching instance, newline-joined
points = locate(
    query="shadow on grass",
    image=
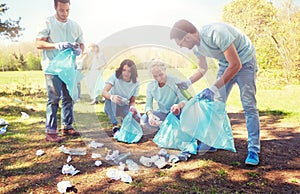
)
(268, 116)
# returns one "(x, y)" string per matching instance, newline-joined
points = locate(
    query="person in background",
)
(164, 91)
(120, 92)
(52, 37)
(237, 64)
(79, 69)
(94, 62)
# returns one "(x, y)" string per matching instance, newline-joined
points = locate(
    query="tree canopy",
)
(273, 30)
(9, 28)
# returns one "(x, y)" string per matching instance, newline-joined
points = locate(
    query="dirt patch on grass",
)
(220, 172)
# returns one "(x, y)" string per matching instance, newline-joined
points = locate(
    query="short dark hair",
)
(132, 66)
(181, 28)
(61, 1)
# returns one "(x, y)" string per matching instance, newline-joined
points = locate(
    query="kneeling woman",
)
(120, 92)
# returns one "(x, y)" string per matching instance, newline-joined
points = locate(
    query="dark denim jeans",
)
(57, 90)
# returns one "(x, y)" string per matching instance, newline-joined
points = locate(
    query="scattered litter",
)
(24, 116)
(112, 156)
(161, 162)
(173, 159)
(3, 129)
(95, 155)
(122, 166)
(146, 161)
(162, 152)
(132, 166)
(121, 157)
(73, 151)
(119, 174)
(98, 163)
(40, 152)
(66, 186)
(154, 158)
(184, 156)
(3, 125)
(94, 144)
(69, 169)
(3, 122)
(69, 159)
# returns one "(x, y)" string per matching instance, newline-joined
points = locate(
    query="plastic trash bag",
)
(170, 135)
(208, 122)
(130, 131)
(63, 65)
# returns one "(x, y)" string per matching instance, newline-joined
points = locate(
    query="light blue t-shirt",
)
(57, 31)
(165, 96)
(123, 88)
(216, 38)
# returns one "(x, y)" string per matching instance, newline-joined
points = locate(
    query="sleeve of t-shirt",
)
(222, 37)
(149, 97)
(111, 80)
(42, 30)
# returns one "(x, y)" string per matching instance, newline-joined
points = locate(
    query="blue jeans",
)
(245, 79)
(113, 111)
(57, 90)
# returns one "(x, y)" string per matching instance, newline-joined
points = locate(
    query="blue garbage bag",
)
(170, 135)
(208, 122)
(130, 131)
(63, 65)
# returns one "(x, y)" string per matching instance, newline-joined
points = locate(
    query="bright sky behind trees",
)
(100, 19)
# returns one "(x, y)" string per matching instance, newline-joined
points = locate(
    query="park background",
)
(272, 26)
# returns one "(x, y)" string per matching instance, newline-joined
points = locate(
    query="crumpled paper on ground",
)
(40, 152)
(65, 186)
(69, 169)
(73, 151)
(94, 144)
(119, 174)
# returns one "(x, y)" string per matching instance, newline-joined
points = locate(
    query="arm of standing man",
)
(233, 68)
(42, 43)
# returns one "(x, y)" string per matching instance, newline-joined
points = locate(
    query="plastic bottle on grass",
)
(121, 157)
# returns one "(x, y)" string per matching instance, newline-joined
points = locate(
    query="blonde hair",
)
(157, 63)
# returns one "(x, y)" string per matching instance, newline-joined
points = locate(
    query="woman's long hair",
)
(132, 66)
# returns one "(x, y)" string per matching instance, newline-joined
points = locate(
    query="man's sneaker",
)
(114, 130)
(69, 132)
(203, 148)
(54, 138)
(252, 158)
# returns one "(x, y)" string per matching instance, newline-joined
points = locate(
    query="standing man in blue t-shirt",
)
(54, 34)
(237, 64)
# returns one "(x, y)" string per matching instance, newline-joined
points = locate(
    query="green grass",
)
(282, 102)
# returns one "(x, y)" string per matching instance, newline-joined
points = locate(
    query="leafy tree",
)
(9, 28)
(33, 62)
(272, 30)
(253, 17)
(21, 63)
